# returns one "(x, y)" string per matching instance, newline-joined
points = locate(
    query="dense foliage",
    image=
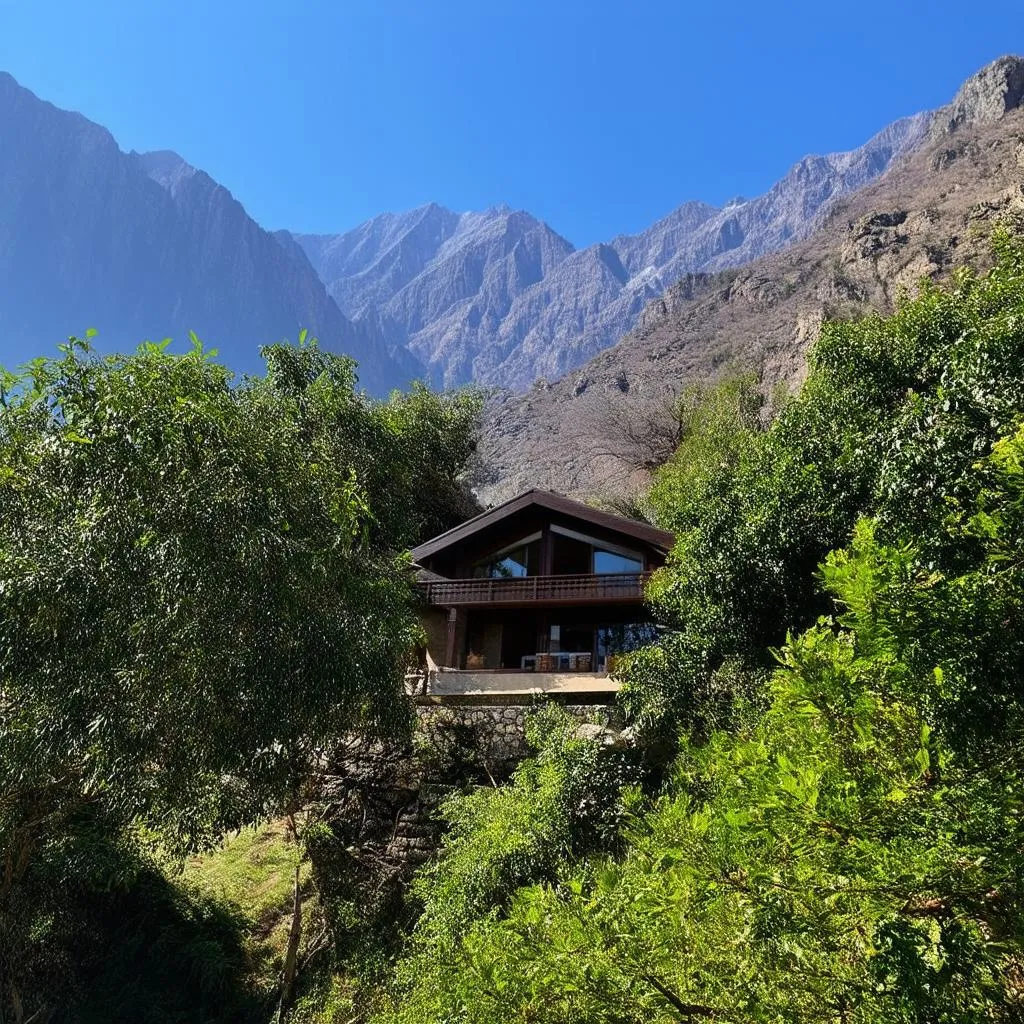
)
(567, 801)
(202, 584)
(563, 802)
(890, 421)
(841, 836)
(837, 836)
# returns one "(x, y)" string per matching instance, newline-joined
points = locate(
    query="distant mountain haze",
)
(147, 246)
(500, 298)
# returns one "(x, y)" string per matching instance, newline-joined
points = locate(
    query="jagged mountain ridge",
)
(931, 212)
(145, 246)
(499, 297)
(442, 281)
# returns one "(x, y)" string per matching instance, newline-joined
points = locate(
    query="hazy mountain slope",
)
(457, 306)
(500, 298)
(929, 213)
(364, 268)
(144, 246)
(443, 281)
(693, 238)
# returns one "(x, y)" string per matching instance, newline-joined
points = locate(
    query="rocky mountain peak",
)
(984, 97)
(145, 245)
(166, 168)
(499, 297)
(23, 111)
(930, 212)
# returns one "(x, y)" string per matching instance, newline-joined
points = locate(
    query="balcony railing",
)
(627, 586)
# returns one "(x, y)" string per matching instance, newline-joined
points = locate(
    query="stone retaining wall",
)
(380, 798)
(493, 734)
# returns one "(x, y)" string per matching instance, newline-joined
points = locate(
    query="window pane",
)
(570, 649)
(606, 562)
(572, 638)
(520, 561)
(513, 564)
(570, 556)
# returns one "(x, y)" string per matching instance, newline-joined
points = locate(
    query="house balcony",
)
(537, 590)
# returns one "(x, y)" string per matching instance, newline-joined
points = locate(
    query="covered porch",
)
(532, 641)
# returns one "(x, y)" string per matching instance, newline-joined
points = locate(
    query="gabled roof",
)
(661, 539)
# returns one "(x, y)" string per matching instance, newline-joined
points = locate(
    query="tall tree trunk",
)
(16, 1005)
(291, 956)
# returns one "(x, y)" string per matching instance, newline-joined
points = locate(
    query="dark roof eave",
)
(661, 539)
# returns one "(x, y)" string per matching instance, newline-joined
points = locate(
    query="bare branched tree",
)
(644, 431)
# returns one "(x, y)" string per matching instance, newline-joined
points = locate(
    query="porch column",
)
(544, 633)
(547, 560)
(453, 631)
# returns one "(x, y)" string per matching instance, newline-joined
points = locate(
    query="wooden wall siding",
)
(537, 504)
(458, 562)
(457, 558)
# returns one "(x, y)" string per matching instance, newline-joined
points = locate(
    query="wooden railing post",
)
(449, 653)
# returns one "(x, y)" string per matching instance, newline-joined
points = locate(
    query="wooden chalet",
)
(538, 594)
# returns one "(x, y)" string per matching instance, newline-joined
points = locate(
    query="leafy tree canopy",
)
(893, 416)
(841, 836)
(202, 584)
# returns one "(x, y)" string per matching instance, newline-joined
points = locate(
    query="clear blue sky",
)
(597, 116)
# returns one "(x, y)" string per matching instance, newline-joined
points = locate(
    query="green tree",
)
(894, 413)
(201, 586)
(848, 858)
(840, 839)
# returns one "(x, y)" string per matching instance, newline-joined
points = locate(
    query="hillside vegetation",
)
(838, 837)
(203, 584)
(819, 819)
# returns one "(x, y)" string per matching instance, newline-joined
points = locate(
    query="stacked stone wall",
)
(495, 734)
(380, 798)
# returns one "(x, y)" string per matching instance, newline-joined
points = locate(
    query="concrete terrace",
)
(461, 687)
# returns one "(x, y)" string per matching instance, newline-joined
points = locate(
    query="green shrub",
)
(893, 415)
(841, 839)
(566, 801)
(846, 858)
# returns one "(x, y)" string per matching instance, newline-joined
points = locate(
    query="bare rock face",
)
(984, 97)
(500, 298)
(444, 283)
(927, 215)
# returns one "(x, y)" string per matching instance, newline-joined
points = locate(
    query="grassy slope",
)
(253, 873)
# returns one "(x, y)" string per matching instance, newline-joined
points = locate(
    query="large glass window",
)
(521, 560)
(608, 562)
(573, 638)
(577, 554)
(570, 556)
